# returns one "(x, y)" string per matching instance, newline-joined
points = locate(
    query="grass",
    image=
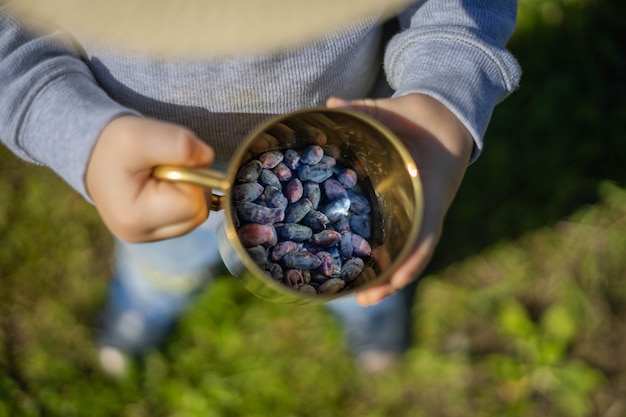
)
(521, 313)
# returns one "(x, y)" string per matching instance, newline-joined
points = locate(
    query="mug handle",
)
(207, 178)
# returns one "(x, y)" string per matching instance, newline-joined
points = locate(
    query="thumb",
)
(369, 107)
(169, 144)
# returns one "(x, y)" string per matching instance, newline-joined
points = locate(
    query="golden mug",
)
(382, 164)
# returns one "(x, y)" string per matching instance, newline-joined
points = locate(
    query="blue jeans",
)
(153, 283)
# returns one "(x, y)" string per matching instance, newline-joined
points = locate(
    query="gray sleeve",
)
(51, 108)
(455, 51)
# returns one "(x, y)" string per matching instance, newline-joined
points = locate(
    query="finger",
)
(170, 230)
(408, 272)
(374, 294)
(336, 102)
(174, 207)
(381, 109)
(174, 145)
(367, 106)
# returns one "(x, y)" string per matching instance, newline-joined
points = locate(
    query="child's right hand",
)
(135, 206)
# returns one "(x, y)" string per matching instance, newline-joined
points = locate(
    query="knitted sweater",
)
(57, 93)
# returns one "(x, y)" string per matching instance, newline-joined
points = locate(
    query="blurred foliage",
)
(549, 296)
(523, 311)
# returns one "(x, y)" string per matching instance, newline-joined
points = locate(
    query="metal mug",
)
(382, 163)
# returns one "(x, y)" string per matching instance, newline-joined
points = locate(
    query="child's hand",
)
(135, 206)
(441, 147)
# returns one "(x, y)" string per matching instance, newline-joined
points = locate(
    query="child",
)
(102, 118)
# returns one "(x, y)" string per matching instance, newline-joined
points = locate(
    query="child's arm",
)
(455, 51)
(53, 113)
(449, 67)
(51, 107)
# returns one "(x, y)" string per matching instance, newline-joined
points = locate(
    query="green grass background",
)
(522, 312)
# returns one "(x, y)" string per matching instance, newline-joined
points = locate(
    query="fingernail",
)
(361, 300)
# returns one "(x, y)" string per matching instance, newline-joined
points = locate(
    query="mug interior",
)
(386, 174)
